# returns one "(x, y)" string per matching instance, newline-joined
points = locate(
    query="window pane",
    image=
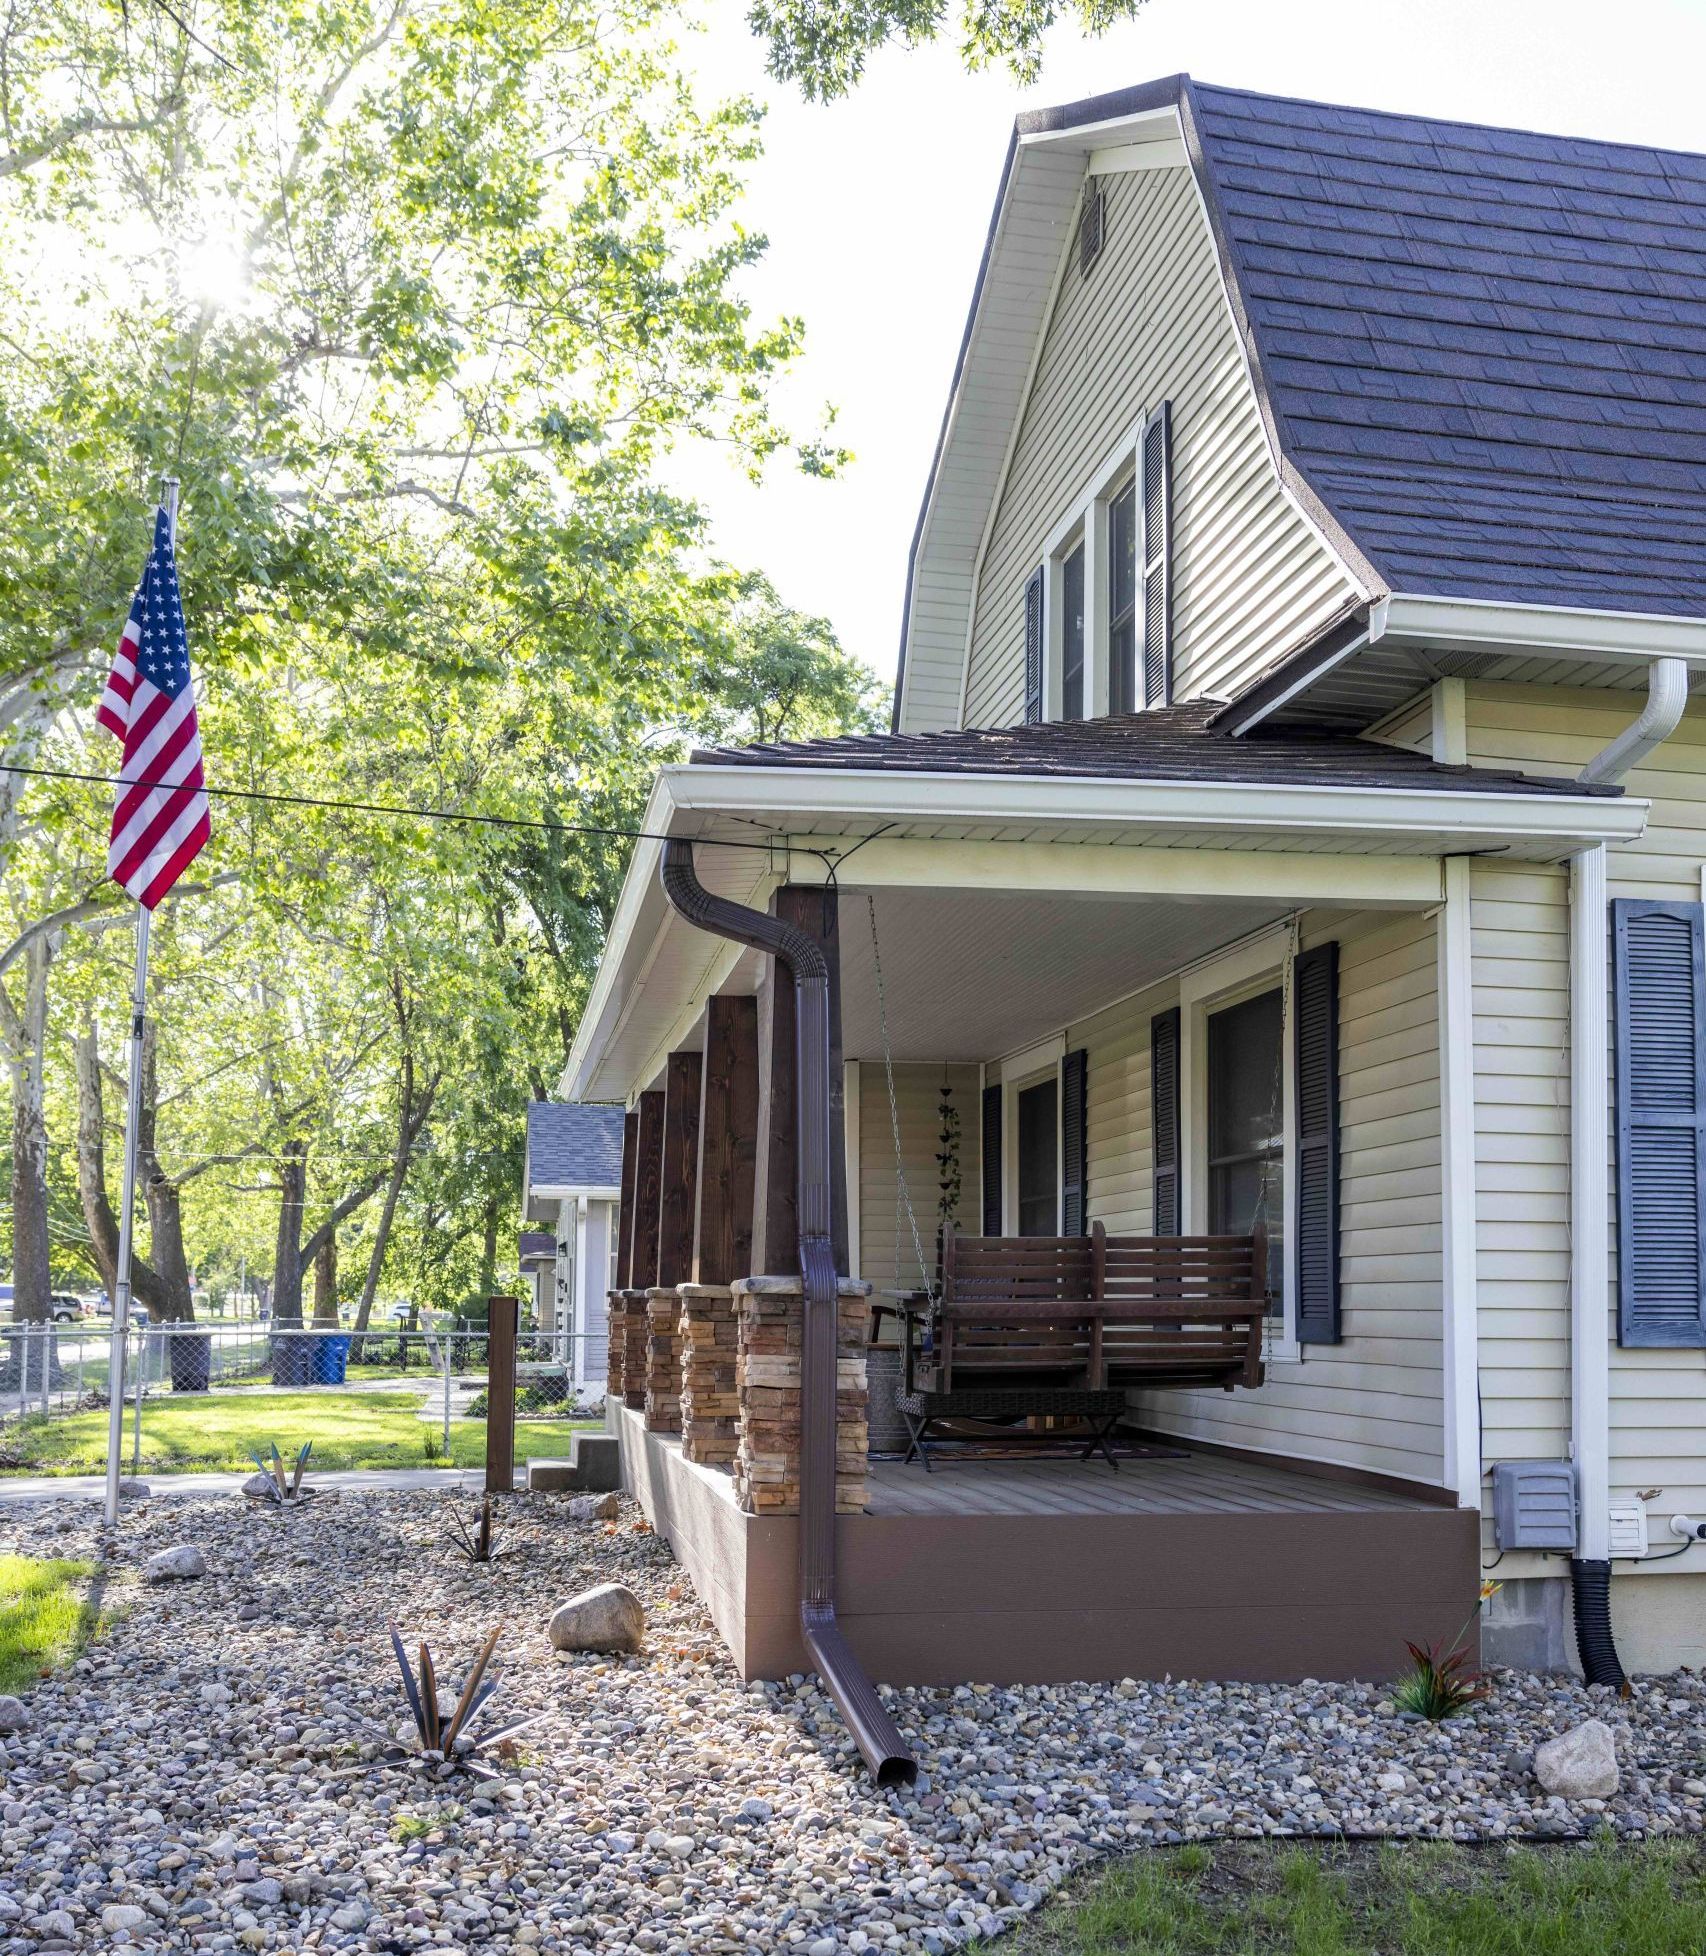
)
(1072, 637)
(1246, 1142)
(1122, 601)
(1039, 1177)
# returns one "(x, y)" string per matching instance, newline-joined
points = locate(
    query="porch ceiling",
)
(969, 975)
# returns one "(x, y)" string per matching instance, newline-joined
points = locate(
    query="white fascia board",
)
(1480, 625)
(1155, 153)
(605, 1000)
(776, 793)
(1160, 125)
(574, 1191)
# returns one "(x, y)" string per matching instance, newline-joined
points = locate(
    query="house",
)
(570, 1183)
(1294, 815)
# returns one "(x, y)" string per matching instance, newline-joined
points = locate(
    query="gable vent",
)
(1091, 220)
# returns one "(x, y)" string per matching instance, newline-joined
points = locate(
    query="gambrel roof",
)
(1485, 350)
(1480, 355)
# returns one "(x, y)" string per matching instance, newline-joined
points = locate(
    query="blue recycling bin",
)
(331, 1358)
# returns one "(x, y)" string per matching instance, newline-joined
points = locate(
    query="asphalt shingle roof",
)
(1172, 743)
(573, 1147)
(1485, 350)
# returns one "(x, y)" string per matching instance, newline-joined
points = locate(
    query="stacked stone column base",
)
(663, 1361)
(634, 1329)
(769, 1324)
(616, 1346)
(710, 1404)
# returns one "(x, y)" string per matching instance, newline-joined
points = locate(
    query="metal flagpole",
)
(127, 1204)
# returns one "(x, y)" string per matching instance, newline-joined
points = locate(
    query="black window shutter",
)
(1315, 1014)
(1074, 1141)
(1164, 1118)
(1158, 558)
(1034, 646)
(1091, 218)
(992, 1161)
(1661, 1123)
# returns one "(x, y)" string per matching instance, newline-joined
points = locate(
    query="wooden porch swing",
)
(1022, 1328)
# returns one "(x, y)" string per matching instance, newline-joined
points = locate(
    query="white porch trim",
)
(1590, 1353)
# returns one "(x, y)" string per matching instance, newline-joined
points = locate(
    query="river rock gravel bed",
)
(208, 1775)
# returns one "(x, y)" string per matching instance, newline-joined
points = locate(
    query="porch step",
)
(594, 1466)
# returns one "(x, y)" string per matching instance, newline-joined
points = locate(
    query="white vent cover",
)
(1628, 1528)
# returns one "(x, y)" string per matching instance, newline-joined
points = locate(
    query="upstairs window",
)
(1099, 612)
(1072, 634)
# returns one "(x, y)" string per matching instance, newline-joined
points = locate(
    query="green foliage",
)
(825, 48)
(46, 1616)
(1639, 1899)
(414, 296)
(1439, 1684)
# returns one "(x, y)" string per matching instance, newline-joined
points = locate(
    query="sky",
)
(876, 209)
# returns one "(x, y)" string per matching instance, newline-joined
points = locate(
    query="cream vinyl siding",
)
(918, 1093)
(1374, 1400)
(1658, 1398)
(1251, 580)
(1412, 726)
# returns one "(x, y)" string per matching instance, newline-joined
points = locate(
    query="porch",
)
(1046, 1571)
(1169, 1007)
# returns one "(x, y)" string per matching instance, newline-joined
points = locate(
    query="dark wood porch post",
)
(728, 1143)
(625, 1214)
(775, 1230)
(677, 1199)
(648, 1193)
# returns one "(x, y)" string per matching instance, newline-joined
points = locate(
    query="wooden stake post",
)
(503, 1314)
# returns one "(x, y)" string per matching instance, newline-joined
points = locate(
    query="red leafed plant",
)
(1441, 1683)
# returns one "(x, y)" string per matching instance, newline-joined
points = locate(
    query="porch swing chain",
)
(924, 1278)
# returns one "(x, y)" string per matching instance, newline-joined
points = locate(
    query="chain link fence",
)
(427, 1383)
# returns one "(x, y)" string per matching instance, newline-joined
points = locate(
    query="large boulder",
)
(181, 1564)
(594, 1507)
(14, 1715)
(1582, 1765)
(606, 1618)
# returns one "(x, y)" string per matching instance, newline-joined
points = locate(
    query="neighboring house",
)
(1295, 812)
(570, 1185)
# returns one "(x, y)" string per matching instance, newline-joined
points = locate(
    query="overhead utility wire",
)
(434, 814)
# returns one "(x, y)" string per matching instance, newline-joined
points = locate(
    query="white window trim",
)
(1020, 1070)
(1237, 974)
(1087, 520)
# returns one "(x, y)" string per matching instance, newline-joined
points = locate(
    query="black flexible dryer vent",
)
(1590, 1592)
(875, 1733)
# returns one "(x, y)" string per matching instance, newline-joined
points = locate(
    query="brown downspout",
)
(875, 1733)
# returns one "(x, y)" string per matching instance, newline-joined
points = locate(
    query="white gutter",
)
(1590, 1279)
(794, 797)
(1667, 700)
(1539, 630)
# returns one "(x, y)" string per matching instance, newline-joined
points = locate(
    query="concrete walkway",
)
(67, 1487)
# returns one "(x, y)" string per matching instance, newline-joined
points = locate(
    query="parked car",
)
(62, 1304)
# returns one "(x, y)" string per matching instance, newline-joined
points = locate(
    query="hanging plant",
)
(947, 1158)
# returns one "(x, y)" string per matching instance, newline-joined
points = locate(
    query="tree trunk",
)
(98, 1210)
(165, 1202)
(326, 1284)
(32, 1274)
(410, 1121)
(489, 1252)
(287, 1258)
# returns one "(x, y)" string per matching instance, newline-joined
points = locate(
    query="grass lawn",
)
(1421, 1899)
(46, 1616)
(204, 1433)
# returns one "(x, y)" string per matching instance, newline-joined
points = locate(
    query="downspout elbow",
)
(1667, 698)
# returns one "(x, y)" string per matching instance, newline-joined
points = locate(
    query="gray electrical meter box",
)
(1534, 1504)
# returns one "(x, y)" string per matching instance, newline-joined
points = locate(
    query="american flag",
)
(160, 824)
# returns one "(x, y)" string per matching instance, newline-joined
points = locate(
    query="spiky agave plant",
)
(278, 1489)
(450, 1741)
(476, 1541)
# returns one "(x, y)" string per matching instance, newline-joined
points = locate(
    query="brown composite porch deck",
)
(1049, 1571)
(1200, 1484)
